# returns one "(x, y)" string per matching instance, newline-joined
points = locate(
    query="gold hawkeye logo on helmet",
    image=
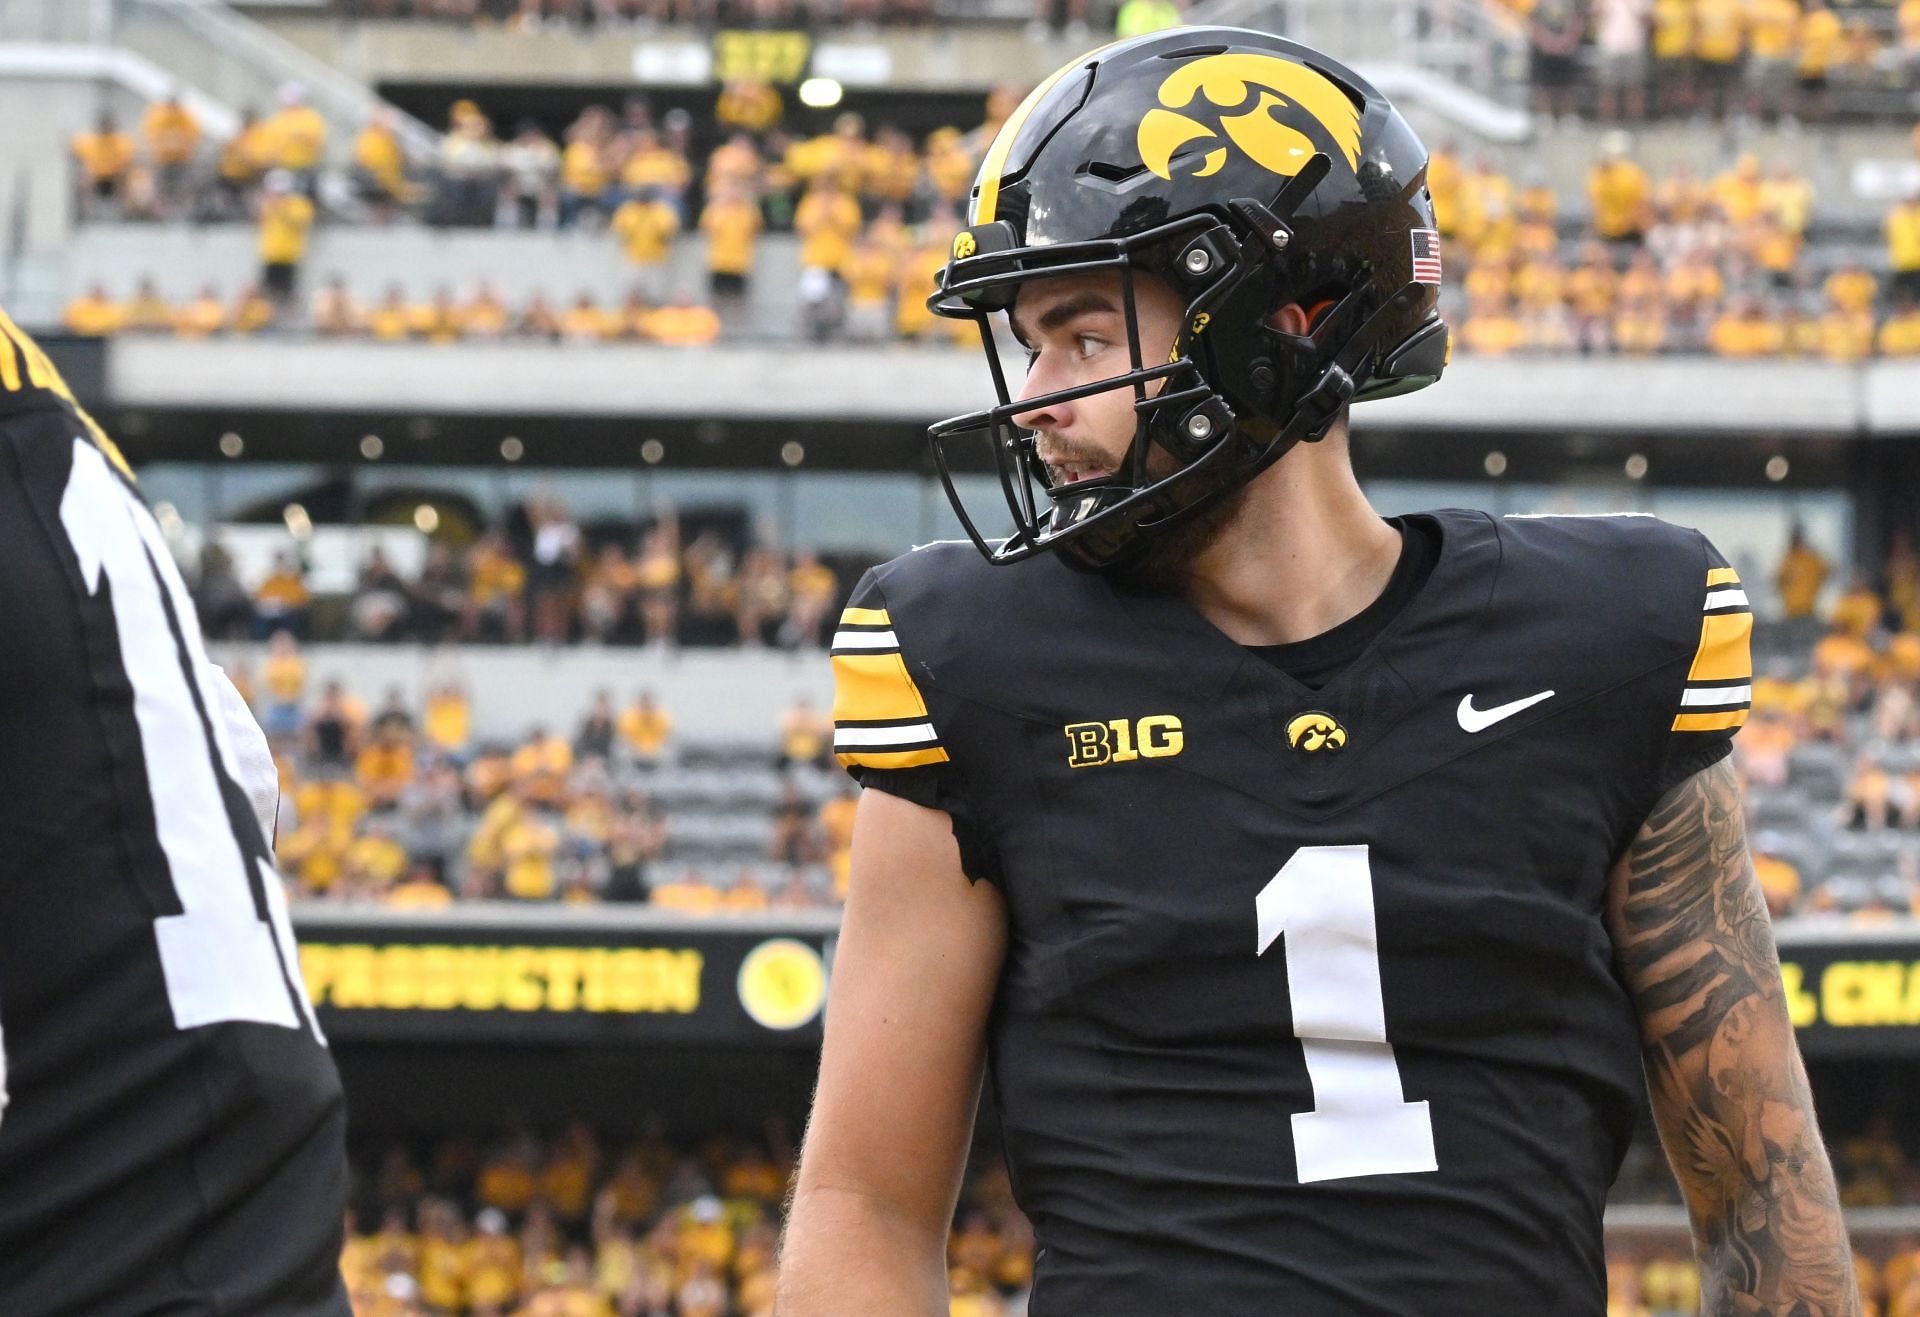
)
(1255, 86)
(964, 246)
(1311, 733)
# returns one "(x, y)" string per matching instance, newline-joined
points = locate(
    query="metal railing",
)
(1463, 59)
(238, 61)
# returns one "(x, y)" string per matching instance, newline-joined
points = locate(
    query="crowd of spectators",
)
(542, 578)
(404, 805)
(1772, 59)
(1723, 265)
(873, 212)
(620, 16)
(571, 1226)
(623, 16)
(1830, 754)
(575, 1225)
(1828, 751)
(1730, 264)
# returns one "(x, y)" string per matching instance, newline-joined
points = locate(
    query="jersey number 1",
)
(1361, 1122)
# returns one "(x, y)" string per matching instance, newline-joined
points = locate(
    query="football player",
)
(173, 1134)
(1343, 885)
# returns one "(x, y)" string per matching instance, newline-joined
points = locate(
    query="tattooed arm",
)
(1695, 946)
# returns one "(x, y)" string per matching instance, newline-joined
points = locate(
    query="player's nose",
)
(1047, 416)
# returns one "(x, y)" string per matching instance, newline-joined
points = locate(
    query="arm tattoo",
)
(1695, 945)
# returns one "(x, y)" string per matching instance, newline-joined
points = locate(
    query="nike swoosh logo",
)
(1478, 720)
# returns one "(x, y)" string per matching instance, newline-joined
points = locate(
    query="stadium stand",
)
(1737, 262)
(576, 1223)
(509, 712)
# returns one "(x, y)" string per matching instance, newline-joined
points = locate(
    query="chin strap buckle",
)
(1321, 405)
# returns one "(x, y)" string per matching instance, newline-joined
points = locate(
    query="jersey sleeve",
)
(884, 733)
(1718, 691)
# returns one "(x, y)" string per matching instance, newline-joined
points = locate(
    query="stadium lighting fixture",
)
(512, 449)
(371, 447)
(232, 445)
(652, 451)
(1637, 466)
(821, 93)
(1777, 468)
(1496, 464)
(426, 519)
(793, 453)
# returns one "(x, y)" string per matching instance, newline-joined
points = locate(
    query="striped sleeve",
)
(1718, 689)
(880, 719)
(1719, 685)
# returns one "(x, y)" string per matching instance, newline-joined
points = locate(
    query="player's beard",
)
(1168, 558)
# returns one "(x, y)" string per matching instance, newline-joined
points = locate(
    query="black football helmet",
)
(1248, 171)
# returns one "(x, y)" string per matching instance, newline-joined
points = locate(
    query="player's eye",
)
(1090, 345)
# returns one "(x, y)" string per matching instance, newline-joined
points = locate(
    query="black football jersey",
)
(173, 1140)
(1308, 1006)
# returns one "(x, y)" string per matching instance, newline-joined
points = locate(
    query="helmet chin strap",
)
(1314, 413)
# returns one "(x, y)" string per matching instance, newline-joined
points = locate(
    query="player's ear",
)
(1290, 319)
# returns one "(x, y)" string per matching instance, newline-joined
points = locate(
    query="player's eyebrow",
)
(1064, 311)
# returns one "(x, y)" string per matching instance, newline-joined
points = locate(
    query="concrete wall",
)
(182, 260)
(1580, 395)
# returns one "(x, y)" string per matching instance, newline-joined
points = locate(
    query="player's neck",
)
(1306, 552)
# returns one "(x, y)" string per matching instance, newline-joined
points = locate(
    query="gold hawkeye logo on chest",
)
(1123, 740)
(1312, 732)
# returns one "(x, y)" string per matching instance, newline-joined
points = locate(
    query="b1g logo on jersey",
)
(1123, 740)
(1313, 732)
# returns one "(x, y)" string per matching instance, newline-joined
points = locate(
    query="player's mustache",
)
(1057, 452)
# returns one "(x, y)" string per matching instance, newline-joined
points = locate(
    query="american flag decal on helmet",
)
(1426, 256)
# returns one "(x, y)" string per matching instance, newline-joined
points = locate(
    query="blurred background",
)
(523, 384)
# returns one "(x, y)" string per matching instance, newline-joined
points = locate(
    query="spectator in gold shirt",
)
(496, 590)
(242, 164)
(280, 600)
(295, 138)
(1745, 330)
(380, 167)
(252, 311)
(749, 105)
(286, 227)
(812, 588)
(172, 137)
(390, 320)
(1719, 40)
(805, 735)
(1492, 330)
(1801, 573)
(105, 156)
(148, 312)
(1900, 335)
(1621, 193)
(869, 276)
(1823, 40)
(827, 221)
(94, 314)
(684, 323)
(203, 317)
(645, 226)
(731, 226)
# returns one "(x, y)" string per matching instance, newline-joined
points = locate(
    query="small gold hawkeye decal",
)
(1313, 732)
(1123, 740)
